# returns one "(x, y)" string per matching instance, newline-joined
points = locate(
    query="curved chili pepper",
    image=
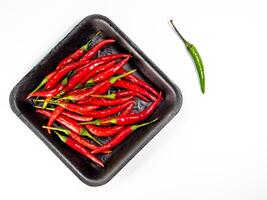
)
(100, 88)
(93, 51)
(195, 56)
(63, 82)
(122, 93)
(77, 147)
(58, 110)
(106, 132)
(130, 86)
(44, 81)
(129, 119)
(105, 102)
(140, 82)
(103, 132)
(52, 82)
(81, 109)
(121, 136)
(47, 93)
(99, 69)
(108, 73)
(76, 79)
(74, 136)
(71, 115)
(108, 111)
(77, 54)
(70, 124)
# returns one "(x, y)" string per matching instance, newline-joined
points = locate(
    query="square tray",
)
(83, 168)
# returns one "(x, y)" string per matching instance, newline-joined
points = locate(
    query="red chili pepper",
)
(92, 52)
(100, 88)
(77, 78)
(129, 119)
(103, 132)
(75, 91)
(108, 73)
(139, 82)
(70, 124)
(99, 69)
(59, 109)
(74, 136)
(47, 93)
(106, 132)
(77, 147)
(130, 86)
(77, 54)
(53, 81)
(57, 112)
(71, 115)
(122, 93)
(44, 81)
(121, 136)
(105, 102)
(108, 111)
(50, 93)
(81, 109)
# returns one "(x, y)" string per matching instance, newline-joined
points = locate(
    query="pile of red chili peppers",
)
(89, 97)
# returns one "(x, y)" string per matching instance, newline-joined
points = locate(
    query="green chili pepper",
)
(195, 56)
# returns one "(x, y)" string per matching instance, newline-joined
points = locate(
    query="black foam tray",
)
(83, 168)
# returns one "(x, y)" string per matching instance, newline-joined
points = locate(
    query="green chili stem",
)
(177, 32)
(134, 127)
(86, 46)
(106, 96)
(67, 132)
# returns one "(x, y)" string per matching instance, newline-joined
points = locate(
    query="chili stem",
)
(177, 32)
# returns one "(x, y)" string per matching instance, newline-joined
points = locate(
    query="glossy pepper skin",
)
(54, 80)
(105, 102)
(43, 82)
(79, 78)
(49, 93)
(79, 148)
(93, 51)
(134, 79)
(99, 69)
(57, 112)
(100, 88)
(195, 56)
(110, 131)
(130, 86)
(70, 124)
(74, 136)
(122, 93)
(80, 109)
(129, 119)
(77, 54)
(71, 115)
(101, 113)
(108, 73)
(120, 137)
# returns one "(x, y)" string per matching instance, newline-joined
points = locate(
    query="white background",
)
(215, 148)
